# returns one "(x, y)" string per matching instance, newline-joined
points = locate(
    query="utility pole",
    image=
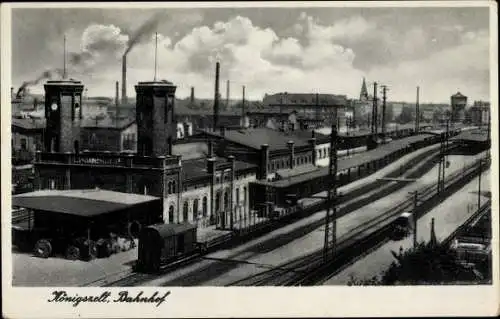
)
(384, 100)
(330, 242)
(227, 95)
(317, 106)
(443, 158)
(479, 184)
(374, 110)
(417, 112)
(415, 203)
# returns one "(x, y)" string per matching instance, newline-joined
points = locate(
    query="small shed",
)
(162, 243)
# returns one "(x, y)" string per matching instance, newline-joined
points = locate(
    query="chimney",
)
(292, 153)
(117, 93)
(216, 98)
(124, 80)
(264, 161)
(192, 95)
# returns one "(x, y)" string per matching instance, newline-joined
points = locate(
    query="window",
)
(185, 211)
(195, 208)
(237, 195)
(171, 214)
(169, 188)
(226, 199)
(205, 208)
(217, 202)
(24, 144)
(93, 140)
(244, 195)
(173, 187)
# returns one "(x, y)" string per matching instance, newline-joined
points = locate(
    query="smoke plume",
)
(46, 75)
(144, 30)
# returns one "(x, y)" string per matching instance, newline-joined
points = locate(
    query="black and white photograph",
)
(229, 146)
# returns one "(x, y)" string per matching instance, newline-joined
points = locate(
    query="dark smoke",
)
(48, 74)
(146, 29)
(79, 58)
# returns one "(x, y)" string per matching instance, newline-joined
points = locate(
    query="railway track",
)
(308, 269)
(355, 199)
(358, 198)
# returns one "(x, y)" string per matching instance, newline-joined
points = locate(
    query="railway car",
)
(164, 243)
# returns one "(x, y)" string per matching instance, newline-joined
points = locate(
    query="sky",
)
(269, 50)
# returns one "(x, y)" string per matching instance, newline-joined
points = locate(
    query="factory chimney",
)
(192, 95)
(124, 79)
(216, 98)
(117, 100)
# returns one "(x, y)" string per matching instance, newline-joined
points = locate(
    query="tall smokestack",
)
(192, 95)
(124, 79)
(117, 100)
(243, 103)
(216, 98)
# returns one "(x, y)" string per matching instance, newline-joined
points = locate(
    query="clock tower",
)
(63, 113)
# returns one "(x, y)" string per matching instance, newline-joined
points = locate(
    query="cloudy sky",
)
(269, 50)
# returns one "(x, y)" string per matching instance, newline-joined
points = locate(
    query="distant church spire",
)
(363, 96)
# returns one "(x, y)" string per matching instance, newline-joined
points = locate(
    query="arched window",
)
(169, 188)
(195, 208)
(205, 208)
(185, 211)
(173, 188)
(226, 199)
(171, 214)
(217, 202)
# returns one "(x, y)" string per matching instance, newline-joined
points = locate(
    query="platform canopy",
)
(84, 203)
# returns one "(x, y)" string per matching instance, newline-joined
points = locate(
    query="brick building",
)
(203, 190)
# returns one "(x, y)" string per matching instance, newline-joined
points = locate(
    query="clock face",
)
(54, 106)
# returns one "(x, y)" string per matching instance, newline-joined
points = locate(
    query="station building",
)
(207, 190)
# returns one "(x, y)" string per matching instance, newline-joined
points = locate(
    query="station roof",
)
(352, 162)
(81, 202)
(254, 138)
(472, 136)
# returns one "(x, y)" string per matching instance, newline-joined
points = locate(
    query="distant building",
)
(479, 113)
(308, 105)
(458, 105)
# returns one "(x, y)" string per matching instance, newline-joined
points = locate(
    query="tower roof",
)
(364, 92)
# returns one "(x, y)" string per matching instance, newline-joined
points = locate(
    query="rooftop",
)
(80, 202)
(197, 168)
(108, 123)
(352, 162)
(29, 123)
(254, 138)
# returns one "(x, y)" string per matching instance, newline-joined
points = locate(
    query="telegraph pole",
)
(479, 184)
(227, 94)
(415, 203)
(330, 242)
(374, 110)
(384, 100)
(417, 112)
